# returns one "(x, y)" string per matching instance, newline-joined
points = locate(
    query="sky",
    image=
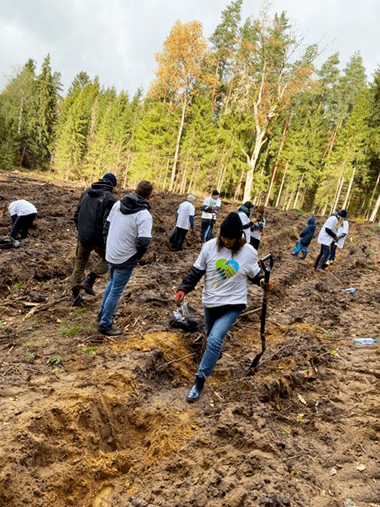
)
(118, 39)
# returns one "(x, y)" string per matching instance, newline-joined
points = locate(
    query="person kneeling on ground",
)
(22, 214)
(90, 216)
(227, 262)
(128, 231)
(305, 238)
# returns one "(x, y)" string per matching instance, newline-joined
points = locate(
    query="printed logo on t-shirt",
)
(225, 270)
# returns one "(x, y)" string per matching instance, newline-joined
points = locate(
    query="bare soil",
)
(91, 421)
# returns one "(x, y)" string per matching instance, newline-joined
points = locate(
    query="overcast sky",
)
(117, 39)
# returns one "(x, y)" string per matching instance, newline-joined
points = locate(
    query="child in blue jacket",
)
(305, 237)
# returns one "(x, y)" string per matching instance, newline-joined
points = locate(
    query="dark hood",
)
(132, 203)
(99, 188)
(311, 221)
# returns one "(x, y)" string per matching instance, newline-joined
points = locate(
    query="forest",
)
(246, 111)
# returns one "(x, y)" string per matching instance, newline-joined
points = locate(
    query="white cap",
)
(190, 198)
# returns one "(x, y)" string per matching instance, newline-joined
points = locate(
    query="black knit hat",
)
(231, 227)
(110, 177)
(248, 205)
(215, 192)
(342, 213)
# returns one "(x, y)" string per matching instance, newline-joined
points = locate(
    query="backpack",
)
(6, 242)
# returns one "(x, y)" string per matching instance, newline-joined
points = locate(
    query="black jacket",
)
(92, 211)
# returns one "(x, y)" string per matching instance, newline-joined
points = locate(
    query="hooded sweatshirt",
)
(129, 227)
(92, 211)
(308, 233)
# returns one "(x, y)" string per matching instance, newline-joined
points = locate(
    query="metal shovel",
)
(267, 269)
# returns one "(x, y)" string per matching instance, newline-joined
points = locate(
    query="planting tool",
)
(266, 264)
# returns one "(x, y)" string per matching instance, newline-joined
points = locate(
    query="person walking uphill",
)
(90, 215)
(129, 231)
(185, 220)
(305, 238)
(326, 236)
(227, 262)
(210, 208)
(244, 214)
(257, 227)
(22, 214)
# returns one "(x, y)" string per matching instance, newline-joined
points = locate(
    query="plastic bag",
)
(182, 319)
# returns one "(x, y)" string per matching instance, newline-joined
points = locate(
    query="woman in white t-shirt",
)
(227, 262)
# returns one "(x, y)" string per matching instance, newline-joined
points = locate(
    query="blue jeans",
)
(216, 330)
(300, 248)
(118, 280)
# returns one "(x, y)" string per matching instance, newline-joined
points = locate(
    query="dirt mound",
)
(94, 421)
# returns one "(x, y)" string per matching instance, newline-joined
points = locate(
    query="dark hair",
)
(215, 192)
(238, 245)
(144, 189)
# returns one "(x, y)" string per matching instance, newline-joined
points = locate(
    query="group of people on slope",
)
(331, 236)
(252, 226)
(120, 233)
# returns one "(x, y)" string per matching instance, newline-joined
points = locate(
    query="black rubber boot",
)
(195, 391)
(76, 299)
(321, 262)
(303, 256)
(109, 330)
(88, 283)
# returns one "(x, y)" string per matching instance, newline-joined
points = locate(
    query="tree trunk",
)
(178, 143)
(298, 191)
(252, 163)
(373, 195)
(276, 165)
(372, 218)
(282, 184)
(349, 189)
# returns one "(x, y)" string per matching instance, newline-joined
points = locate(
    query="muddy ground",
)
(92, 421)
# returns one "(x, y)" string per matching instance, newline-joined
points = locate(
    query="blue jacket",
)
(308, 233)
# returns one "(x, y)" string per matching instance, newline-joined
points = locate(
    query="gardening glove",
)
(179, 297)
(266, 286)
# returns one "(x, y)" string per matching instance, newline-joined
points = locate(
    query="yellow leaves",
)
(182, 62)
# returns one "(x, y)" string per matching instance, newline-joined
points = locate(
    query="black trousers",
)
(21, 224)
(178, 239)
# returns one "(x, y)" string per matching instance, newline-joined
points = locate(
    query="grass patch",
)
(80, 311)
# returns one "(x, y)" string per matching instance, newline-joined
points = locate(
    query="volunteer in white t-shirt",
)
(185, 221)
(22, 214)
(244, 214)
(227, 262)
(341, 233)
(326, 236)
(210, 208)
(129, 230)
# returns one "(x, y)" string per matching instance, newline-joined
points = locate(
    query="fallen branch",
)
(250, 312)
(176, 360)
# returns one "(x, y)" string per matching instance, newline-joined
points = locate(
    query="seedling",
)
(30, 356)
(327, 336)
(287, 431)
(55, 361)
(28, 344)
(300, 419)
(35, 323)
(17, 285)
(71, 330)
(34, 334)
(88, 349)
(2, 324)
